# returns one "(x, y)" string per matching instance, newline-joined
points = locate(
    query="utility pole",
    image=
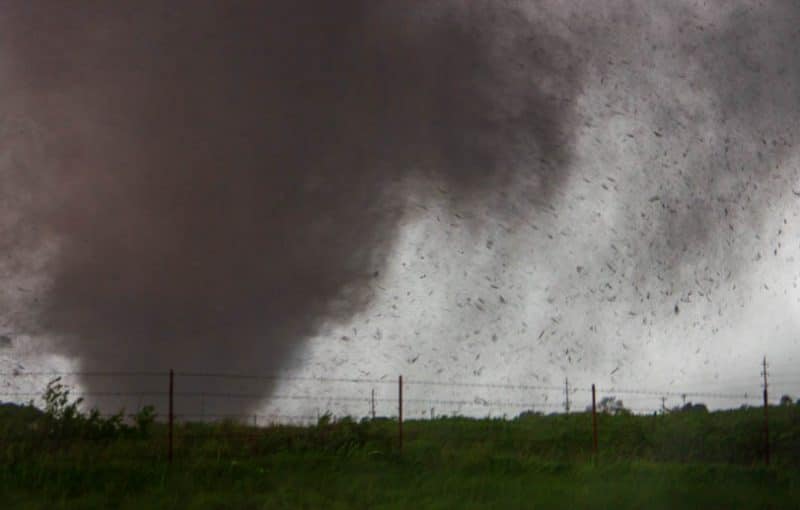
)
(566, 395)
(766, 414)
(372, 403)
(664, 405)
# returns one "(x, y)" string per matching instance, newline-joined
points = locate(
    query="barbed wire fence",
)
(211, 397)
(370, 397)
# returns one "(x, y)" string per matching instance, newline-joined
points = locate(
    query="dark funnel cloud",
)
(201, 185)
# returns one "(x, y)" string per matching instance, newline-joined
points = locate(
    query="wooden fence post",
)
(400, 412)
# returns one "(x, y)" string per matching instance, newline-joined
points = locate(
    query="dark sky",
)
(204, 185)
(220, 178)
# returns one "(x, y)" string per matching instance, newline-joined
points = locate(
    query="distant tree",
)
(694, 408)
(786, 400)
(611, 405)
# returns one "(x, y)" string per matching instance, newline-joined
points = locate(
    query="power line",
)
(623, 391)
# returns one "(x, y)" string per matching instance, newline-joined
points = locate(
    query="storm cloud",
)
(203, 185)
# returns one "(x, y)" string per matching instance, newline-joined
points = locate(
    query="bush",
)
(63, 419)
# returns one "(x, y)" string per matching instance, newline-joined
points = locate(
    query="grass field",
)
(680, 460)
(314, 480)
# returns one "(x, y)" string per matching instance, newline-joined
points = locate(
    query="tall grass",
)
(691, 459)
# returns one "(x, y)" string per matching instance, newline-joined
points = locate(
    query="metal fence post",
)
(400, 411)
(766, 416)
(171, 415)
(594, 423)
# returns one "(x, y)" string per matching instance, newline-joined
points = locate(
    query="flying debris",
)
(277, 205)
(208, 186)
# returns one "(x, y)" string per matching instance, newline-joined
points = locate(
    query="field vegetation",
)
(59, 457)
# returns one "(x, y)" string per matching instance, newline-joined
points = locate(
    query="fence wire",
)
(460, 395)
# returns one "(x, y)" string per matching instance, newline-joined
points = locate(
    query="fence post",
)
(171, 416)
(766, 416)
(594, 424)
(400, 411)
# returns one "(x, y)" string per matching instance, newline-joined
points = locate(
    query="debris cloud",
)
(202, 185)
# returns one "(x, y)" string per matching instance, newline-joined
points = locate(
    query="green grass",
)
(325, 481)
(682, 460)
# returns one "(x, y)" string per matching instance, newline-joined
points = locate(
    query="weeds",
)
(62, 420)
(63, 454)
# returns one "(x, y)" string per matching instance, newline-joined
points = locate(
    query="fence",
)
(184, 397)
